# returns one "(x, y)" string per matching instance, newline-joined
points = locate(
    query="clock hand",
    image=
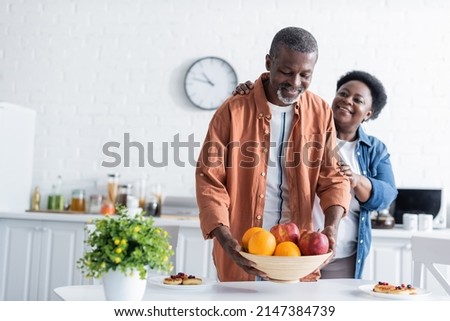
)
(207, 79)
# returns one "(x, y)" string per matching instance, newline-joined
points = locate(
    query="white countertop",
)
(399, 232)
(322, 290)
(192, 221)
(186, 221)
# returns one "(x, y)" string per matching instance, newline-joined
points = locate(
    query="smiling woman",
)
(366, 163)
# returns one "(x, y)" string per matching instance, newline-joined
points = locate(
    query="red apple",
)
(286, 232)
(313, 243)
(303, 231)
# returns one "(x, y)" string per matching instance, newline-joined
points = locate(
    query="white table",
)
(322, 290)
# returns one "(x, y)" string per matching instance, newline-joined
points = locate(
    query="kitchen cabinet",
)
(37, 256)
(38, 252)
(194, 254)
(390, 259)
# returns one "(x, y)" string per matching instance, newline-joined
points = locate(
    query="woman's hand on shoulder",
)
(243, 88)
(359, 183)
(347, 171)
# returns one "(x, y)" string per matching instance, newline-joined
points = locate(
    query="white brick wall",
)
(96, 69)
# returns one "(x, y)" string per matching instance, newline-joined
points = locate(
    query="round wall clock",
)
(209, 81)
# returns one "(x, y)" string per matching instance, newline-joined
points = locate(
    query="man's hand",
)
(315, 275)
(232, 248)
(333, 216)
(330, 232)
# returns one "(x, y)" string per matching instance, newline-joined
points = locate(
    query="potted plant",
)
(125, 246)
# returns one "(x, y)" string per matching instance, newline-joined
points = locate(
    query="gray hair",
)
(294, 38)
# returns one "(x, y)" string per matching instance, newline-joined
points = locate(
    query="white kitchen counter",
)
(399, 232)
(184, 221)
(35, 245)
(192, 221)
(322, 290)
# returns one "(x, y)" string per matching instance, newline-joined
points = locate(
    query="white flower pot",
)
(121, 287)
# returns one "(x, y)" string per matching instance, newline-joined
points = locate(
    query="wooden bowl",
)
(286, 268)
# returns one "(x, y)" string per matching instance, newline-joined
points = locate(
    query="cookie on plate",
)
(173, 281)
(385, 287)
(192, 280)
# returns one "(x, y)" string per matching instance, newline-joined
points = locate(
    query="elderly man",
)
(267, 154)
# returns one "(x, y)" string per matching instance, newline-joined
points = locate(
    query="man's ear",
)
(268, 62)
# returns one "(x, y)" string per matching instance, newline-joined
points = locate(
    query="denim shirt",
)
(374, 162)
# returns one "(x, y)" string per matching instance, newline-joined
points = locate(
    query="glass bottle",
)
(78, 203)
(107, 207)
(152, 206)
(95, 203)
(158, 195)
(113, 184)
(59, 199)
(56, 199)
(124, 191)
(133, 205)
(36, 200)
(142, 191)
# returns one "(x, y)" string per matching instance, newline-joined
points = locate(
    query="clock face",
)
(209, 81)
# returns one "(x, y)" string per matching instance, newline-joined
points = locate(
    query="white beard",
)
(286, 100)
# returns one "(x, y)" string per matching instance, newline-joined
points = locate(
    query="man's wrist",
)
(221, 233)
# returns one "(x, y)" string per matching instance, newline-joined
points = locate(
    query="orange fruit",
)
(248, 234)
(262, 243)
(287, 248)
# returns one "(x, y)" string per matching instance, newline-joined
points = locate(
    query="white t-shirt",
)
(347, 236)
(276, 209)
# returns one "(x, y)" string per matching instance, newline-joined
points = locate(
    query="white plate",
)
(206, 283)
(368, 288)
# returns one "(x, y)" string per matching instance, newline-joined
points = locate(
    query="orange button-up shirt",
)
(232, 166)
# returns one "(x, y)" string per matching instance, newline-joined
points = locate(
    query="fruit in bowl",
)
(287, 269)
(285, 261)
(262, 243)
(286, 232)
(287, 248)
(248, 234)
(313, 243)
